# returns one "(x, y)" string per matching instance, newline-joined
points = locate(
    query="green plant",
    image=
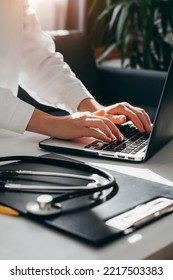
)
(140, 29)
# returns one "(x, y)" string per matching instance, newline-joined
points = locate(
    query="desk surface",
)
(25, 239)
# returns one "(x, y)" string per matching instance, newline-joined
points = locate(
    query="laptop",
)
(135, 146)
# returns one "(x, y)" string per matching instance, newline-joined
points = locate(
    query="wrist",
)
(89, 104)
(40, 122)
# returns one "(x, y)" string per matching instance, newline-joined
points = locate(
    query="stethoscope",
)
(47, 204)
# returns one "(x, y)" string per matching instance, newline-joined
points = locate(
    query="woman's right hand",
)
(83, 124)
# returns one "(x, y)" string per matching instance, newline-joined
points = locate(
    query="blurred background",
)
(61, 14)
(137, 32)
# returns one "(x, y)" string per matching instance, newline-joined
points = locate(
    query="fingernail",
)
(122, 118)
(113, 137)
(121, 137)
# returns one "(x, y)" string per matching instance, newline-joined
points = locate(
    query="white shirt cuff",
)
(14, 113)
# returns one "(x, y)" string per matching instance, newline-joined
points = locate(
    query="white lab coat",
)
(28, 58)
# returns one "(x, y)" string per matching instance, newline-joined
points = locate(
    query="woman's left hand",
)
(122, 112)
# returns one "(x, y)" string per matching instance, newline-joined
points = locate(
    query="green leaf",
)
(144, 8)
(102, 15)
(92, 7)
(170, 14)
(146, 24)
(106, 53)
(115, 13)
(122, 20)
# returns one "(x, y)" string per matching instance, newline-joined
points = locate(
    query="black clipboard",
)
(88, 223)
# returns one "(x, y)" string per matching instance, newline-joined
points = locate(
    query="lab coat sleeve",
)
(44, 74)
(14, 113)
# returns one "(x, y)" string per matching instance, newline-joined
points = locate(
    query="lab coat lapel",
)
(11, 34)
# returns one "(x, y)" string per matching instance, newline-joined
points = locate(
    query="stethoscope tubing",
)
(68, 195)
(81, 166)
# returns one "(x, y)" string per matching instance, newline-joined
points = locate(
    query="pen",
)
(8, 211)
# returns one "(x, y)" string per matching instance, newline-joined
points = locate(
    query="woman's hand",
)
(119, 113)
(84, 124)
(125, 112)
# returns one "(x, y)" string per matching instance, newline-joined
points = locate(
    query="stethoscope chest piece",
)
(43, 206)
(99, 185)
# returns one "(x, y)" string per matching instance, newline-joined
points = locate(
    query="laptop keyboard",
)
(133, 142)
